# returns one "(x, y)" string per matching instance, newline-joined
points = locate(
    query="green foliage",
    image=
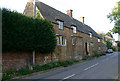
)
(23, 71)
(102, 53)
(21, 33)
(118, 43)
(109, 34)
(96, 54)
(109, 44)
(84, 58)
(115, 16)
(102, 35)
(8, 74)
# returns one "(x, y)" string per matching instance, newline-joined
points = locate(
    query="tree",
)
(102, 35)
(109, 34)
(22, 33)
(114, 16)
(108, 44)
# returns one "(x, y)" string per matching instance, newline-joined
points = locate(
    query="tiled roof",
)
(52, 15)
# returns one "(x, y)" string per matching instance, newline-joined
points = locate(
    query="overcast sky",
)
(94, 11)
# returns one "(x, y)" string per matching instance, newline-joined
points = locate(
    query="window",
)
(58, 40)
(98, 40)
(92, 45)
(90, 35)
(99, 48)
(61, 41)
(74, 29)
(73, 41)
(60, 24)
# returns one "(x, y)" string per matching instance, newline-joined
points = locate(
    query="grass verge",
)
(11, 73)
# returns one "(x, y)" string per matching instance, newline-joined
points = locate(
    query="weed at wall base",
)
(24, 71)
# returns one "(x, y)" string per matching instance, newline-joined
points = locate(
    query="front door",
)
(86, 48)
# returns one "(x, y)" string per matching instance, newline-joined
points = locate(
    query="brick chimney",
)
(69, 12)
(81, 19)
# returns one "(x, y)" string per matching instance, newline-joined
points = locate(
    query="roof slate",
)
(52, 15)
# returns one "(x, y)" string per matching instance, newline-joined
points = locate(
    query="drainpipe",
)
(33, 57)
(34, 14)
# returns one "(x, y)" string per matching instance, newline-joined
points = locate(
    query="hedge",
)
(22, 33)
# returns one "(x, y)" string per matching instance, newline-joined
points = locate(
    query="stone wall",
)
(17, 60)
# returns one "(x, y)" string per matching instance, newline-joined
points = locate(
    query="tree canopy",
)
(114, 16)
(109, 34)
(22, 33)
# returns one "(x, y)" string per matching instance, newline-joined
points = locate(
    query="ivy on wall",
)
(22, 33)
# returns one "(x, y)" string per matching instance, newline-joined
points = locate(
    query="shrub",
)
(24, 71)
(96, 54)
(84, 58)
(21, 33)
(8, 74)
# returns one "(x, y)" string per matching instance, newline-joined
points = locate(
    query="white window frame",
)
(98, 40)
(60, 24)
(74, 29)
(58, 41)
(73, 41)
(61, 41)
(90, 35)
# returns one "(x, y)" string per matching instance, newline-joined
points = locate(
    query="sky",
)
(94, 11)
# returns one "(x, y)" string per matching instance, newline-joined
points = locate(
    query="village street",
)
(104, 67)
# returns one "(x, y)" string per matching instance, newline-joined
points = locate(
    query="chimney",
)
(81, 19)
(69, 12)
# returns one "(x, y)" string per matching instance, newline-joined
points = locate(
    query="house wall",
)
(74, 51)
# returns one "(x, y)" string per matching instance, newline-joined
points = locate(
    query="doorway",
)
(86, 48)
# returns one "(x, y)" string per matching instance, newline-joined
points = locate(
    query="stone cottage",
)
(74, 37)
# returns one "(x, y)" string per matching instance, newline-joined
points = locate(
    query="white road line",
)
(91, 66)
(69, 76)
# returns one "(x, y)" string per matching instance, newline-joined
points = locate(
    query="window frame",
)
(92, 44)
(99, 40)
(74, 29)
(60, 24)
(73, 41)
(90, 35)
(61, 41)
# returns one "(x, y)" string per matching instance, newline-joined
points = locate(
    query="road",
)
(104, 67)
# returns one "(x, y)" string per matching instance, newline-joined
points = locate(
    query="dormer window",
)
(98, 40)
(60, 24)
(74, 29)
(90, 35)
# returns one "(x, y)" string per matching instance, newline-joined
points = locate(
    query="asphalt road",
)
(104, 67)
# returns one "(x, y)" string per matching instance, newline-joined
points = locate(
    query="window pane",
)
(61, 25)
(73, 41)
(98, 40)
(90, 34)
(74, 29)
(58, 40)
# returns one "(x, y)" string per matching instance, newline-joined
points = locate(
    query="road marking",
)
(69, 76)
(91, 66)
